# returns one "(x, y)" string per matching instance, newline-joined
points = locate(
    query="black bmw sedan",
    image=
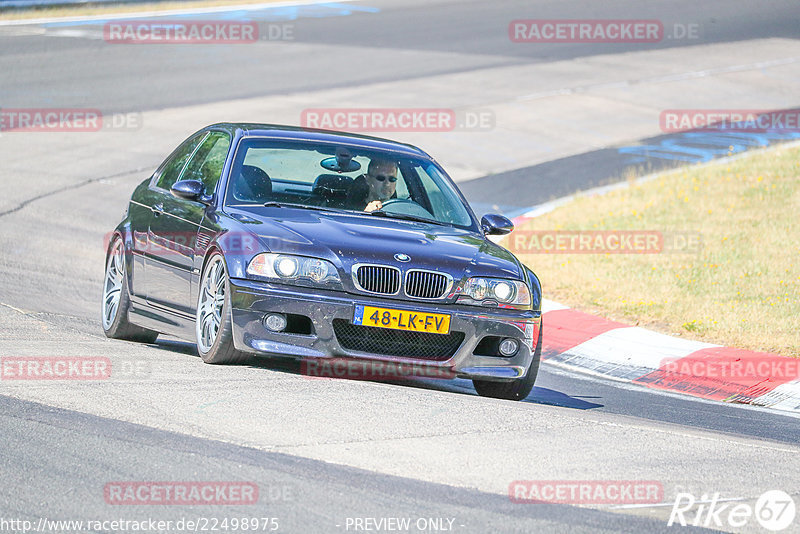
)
(256, 239)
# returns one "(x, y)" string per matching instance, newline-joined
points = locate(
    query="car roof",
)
(279, 131)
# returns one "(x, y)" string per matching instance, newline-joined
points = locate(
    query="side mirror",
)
(493, 224)
(190, 190)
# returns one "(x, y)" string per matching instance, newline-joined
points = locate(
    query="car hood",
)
(347, 239)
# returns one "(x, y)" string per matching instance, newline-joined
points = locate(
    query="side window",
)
(402, 187)
(445, 205)
(172, 170)
(207, 163)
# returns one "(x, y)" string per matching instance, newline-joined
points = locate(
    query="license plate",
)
(433, 323)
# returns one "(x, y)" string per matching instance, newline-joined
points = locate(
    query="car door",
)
(173, 228)
(147, 203)
(161, 246)
(140, 214)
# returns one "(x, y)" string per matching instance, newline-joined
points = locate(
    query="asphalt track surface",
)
(305, 495)
(72, 72)
(60, 445)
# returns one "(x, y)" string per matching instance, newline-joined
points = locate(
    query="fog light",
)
(275, 322)
(508, 347)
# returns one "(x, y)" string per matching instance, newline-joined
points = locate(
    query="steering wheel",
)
(406, 206)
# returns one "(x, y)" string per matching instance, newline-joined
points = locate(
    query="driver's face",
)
(382, 183)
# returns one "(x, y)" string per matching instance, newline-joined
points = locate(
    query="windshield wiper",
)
(406, 217)
(273, 204)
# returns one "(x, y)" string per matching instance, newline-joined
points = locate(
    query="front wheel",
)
(517, 389)
(213, 325)
(117, 301)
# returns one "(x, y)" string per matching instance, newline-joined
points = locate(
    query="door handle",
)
(157, 209)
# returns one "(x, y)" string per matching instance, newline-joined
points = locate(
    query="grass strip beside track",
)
(741, 288)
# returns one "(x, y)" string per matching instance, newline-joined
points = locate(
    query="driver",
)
(371, 190)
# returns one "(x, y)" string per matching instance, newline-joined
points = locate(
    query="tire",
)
(213, 325)
(517, 389)
(116, 300)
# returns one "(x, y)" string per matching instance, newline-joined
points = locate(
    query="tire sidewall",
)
(122, 307)
(520, 388)
(223, 332)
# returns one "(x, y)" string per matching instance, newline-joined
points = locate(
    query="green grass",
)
(740, 289)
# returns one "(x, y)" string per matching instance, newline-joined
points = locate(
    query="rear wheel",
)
(517, 389)
(213, 327)
(116, 300)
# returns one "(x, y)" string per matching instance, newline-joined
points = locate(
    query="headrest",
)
(332, 185)
(253, 184)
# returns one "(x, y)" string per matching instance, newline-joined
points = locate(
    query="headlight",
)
(287, 266)
(295, 269)
(495, 291)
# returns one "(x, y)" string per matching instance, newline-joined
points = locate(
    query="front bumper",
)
(251, 300)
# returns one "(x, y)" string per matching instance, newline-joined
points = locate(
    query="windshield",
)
(341, 177)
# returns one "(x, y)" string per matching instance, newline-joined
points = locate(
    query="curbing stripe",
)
(724, 373)
(567, 328)
(628, 353)
(598, 346)
(647, 348)
(549, 305)
(784, 397)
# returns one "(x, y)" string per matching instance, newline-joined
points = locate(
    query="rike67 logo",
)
(774, 510)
